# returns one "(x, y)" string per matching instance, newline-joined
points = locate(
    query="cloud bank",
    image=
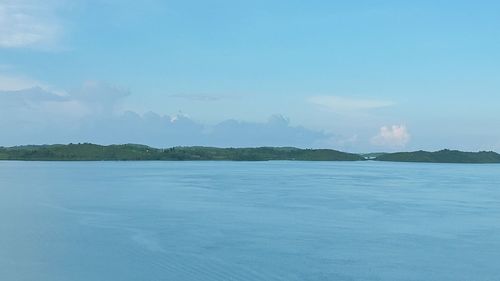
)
(93, 113)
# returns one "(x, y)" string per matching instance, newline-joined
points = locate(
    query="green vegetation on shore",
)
(442, 156)
(93, 152)
(130, 152)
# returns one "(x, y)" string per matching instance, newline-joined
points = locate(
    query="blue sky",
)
(352, 75)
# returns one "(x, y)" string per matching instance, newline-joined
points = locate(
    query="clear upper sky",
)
(352, 75)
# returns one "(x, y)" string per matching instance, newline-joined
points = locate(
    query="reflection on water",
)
(248, 221)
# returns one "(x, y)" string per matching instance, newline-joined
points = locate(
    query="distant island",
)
(136, 152)
(442, 156)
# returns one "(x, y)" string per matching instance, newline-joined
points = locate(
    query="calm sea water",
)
(248, 221)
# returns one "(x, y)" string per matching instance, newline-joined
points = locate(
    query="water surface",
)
(141, 221)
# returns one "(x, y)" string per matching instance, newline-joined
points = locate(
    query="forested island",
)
(442, 156)
(93, 152)
(136, 152)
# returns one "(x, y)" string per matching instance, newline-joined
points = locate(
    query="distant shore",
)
(136, 152)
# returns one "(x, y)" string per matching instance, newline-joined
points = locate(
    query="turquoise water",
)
(248, 221)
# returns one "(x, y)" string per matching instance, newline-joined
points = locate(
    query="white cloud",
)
(338, 103)
(28, 23)
(395, 136)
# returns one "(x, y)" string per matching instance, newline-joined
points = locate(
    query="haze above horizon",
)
(354, 76)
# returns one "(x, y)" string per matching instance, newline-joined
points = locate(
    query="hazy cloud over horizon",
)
(92, 114)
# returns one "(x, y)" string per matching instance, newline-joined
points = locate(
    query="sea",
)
(277, 220)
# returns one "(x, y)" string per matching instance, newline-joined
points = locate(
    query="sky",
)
(358, 76)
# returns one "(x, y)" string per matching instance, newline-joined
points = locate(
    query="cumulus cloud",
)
(395, 136)
(28, 23)
(91, 114)
(338, 103)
